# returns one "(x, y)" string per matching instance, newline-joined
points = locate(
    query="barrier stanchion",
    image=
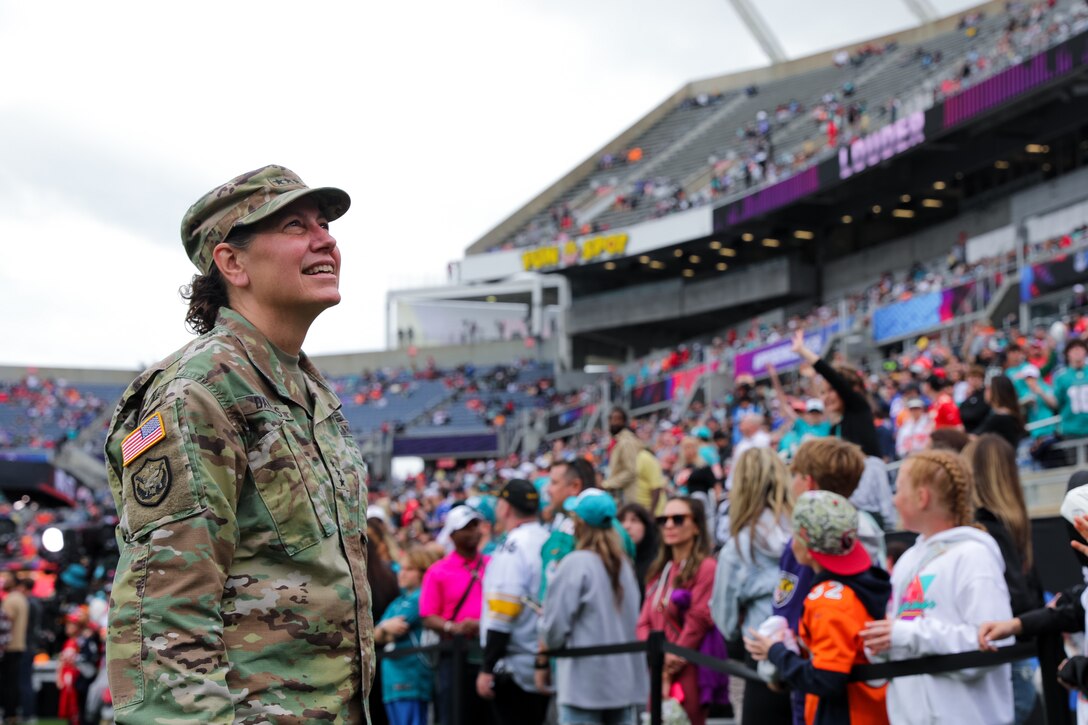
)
(655, 656)
(1055, 697)
(458, 675)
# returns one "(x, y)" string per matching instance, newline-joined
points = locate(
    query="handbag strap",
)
(471, 583)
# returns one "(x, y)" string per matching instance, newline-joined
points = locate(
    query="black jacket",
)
(973, 411)
(857, 424)
(1025, 589)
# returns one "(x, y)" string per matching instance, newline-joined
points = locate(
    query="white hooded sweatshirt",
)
(943, 588)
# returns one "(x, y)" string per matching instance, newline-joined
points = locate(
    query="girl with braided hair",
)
(943, 588)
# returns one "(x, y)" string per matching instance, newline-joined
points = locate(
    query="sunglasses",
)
(676, 519)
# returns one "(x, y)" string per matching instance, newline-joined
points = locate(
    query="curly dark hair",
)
(207, 293)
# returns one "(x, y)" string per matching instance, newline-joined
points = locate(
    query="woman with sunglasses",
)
(678, 595)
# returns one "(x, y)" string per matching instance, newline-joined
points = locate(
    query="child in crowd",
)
(407, 683)
(847, 592)
(823, 464)
(943, 588)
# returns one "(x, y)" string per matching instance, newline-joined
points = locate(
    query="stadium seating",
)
(677, 148)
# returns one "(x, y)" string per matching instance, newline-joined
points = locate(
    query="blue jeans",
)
(407, 712)
(1023, 689)
(570, 715)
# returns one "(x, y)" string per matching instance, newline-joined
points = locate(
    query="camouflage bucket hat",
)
(828, 525)
(245, 200)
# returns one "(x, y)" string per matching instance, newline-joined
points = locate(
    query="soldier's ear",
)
(231, 263)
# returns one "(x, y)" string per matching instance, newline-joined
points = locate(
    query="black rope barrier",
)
(936, 664)
(656, 646)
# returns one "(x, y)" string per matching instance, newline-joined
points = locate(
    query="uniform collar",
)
(262, 353)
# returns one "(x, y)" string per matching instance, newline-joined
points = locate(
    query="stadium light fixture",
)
(903, 213)
(1046, 167)
(1034, 148)
(689, 272)
(747, 236)
(877, 209)
(905, 198)
(715, 244)
(804, 234)
(678, 253)
(939, 185)
(644, 259)
(769, 242)
(727, 252)
(932, 203)
(610, 266)
(695, 259)
(847, 219)
(1001, 164)
(722, 266)
(657, 265)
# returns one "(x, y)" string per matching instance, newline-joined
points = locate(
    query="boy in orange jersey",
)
(847, 592)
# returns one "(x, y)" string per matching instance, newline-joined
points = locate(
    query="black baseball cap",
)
(522, 495)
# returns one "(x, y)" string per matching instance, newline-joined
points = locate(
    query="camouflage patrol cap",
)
(247, 199)
(827, 523)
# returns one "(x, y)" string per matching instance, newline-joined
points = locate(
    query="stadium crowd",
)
(709, 524)
(730, 513)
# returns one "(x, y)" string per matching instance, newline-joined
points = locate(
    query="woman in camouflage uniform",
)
(241, 593)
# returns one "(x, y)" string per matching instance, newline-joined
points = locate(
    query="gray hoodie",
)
(580, 611)
(747, 575)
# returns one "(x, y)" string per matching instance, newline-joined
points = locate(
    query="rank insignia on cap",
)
(151, 483)
(136, 443)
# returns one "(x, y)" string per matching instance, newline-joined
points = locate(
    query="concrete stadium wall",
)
(491, 353)
(857, 271)
(1050, 195)
(669, 299)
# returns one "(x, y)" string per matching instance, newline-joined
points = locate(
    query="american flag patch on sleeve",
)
(150, 432)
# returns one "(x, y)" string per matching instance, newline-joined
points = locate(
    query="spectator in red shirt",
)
(943, 410)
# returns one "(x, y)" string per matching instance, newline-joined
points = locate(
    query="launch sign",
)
(895, 138)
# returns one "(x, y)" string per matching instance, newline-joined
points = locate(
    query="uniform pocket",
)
(124, 639)
(281, 482)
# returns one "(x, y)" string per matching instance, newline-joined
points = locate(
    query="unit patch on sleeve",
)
(151, 482)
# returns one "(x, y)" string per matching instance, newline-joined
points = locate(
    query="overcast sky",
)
(439, 118)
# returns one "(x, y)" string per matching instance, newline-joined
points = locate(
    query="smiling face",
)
(292, 263)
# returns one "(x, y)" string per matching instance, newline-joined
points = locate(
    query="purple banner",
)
(773, 197)
(754, 362)
(1008, 84)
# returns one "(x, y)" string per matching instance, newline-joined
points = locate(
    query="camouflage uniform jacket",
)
(241, 592)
